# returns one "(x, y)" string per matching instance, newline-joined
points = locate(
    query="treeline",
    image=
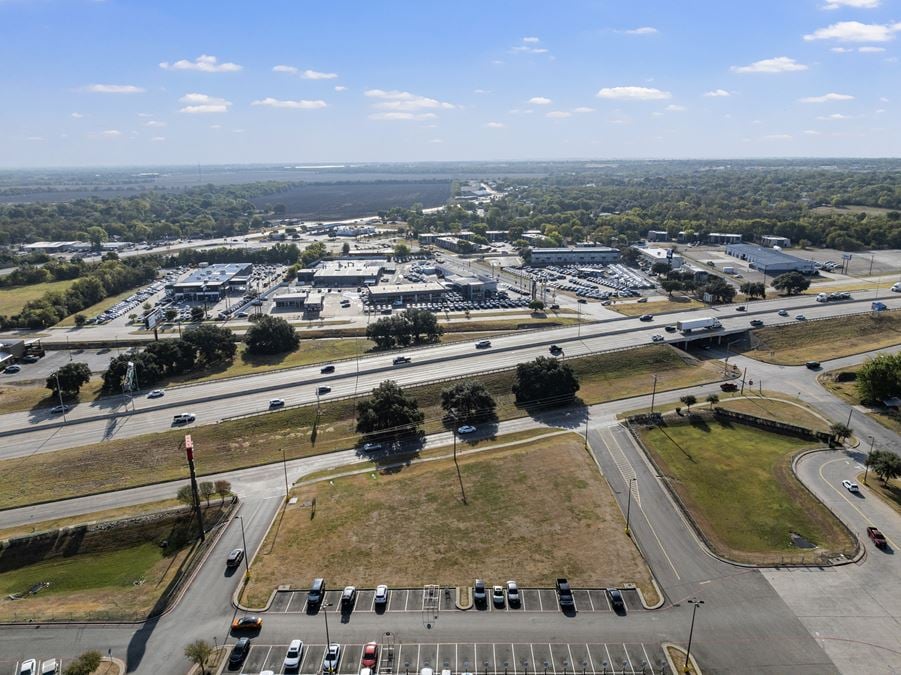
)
(54, 270)
(277, 254)
(203, 212)
(95, 283)
(414, 326)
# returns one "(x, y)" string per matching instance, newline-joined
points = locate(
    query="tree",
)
(468, 401)
(345, 248)
(80, 320)
(840, 431)
(721, 290)
(422, 325)
(753, 289)
(96, 235)
(85, 664)
(271, 335)
(689, 400)
(198, 653)
(213, 343)
(223, 488)
(791, 283)
(171, 314)
(388, 411)
(401, 251)
(536, 305)
(670, 285)
(880, 378)
(197, 314)
(887, 465)
(713, 399)
(545, 381)
(207, 489)
(70, 377)
(660, 268)
(185, 495)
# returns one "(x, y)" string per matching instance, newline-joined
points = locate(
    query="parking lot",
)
(489, 658)
(413, 600)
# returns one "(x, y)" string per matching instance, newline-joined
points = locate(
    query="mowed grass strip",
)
(794, 344)
(737, 483)
(533, 512)
(674, 304)
(13, 298)
(251, 441)
(18, 397)
(777, 409)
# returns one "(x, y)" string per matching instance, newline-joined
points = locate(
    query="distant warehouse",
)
(769, 260)
(581, 255)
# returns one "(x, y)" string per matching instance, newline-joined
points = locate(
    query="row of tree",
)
(413, 326)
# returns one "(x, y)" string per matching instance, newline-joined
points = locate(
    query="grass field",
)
(890, 492)
(12, 299)
(251, 441)
(674, 304)
(848, 391)
(797, 343)
(409, 528)
(14, 398)
(869, 210)
(737, 483)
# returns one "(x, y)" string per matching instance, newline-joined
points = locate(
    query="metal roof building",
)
(768, 260)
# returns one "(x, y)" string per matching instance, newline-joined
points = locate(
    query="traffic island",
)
(677, 661)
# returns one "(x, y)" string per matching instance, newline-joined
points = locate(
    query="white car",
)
(294, 655)
(276, 402)
(156, 393)
(381, 594)
(466, 429)
(782, 312)
(497, 595)
(657, 338)
(512, 592)
(28, 667)
(50, 667)
(331, 658)
(851, 486)
(57, 409)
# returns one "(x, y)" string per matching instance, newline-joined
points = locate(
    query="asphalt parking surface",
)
(413, 600)
(491, 658)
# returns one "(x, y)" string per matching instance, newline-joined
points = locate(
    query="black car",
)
(565, 594)
(670, 329)
(235, 557)
(239, 651)
(813, 365)
(327, 369)
(616, 600)
(317, 592)
(479, 594)
(756, 322)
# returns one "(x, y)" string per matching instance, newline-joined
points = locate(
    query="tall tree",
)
(213, 343)
(198, 653)
(468, 401)
(887, 465)
(880, 378)
(791, 283)
(388, 411)
(545, 381)
(69, 378)
(271, 335)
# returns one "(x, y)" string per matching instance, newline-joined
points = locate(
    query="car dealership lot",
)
(413, 600)
(483, 657)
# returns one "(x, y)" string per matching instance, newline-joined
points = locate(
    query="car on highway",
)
(370, 655)
(729, 386)
(555, 349)
(756, 323)
(616, 600)
(851, 486)
(323, 390)
(57, 409)
(479, 594)
(247, 622)
(782, 312)
(646, 317)
(800, 317)
(564, 594)
(371, 447)
(466, 429)
(239, 652)
(399, 360)
(483, 344)
(348, 598)
(234, 557)
(276, 402)
(331, 658)
(813, 365)
(30, 358)
(512, 592)
(28, 667)
(741, 308)
(327, 369)
(156, 393)
(497, 596)
(582, 301)
(877, 537)
(381, 595)
(670, 329)
(12, 370)
(657, 338)
(183, 418)
(294, 655)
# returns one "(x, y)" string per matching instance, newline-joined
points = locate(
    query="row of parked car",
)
(127, 305)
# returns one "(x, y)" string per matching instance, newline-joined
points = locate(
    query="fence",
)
(773, 425)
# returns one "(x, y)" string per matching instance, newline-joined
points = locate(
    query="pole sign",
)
(189, 447)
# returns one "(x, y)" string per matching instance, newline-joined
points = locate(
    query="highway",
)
(107, 418)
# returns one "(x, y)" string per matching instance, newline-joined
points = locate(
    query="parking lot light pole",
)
(285, 465)
(325, 606)
(653, 394)
(244, 541)
(629, 506)
(695, 603)
(59, 393)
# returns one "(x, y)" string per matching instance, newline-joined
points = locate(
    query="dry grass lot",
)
(890, 492)
(677, 303)
(534, 511)
(12, 299)
(777, 409)
(736, 481)
(803, 341)
(14, 397)
(259, 439)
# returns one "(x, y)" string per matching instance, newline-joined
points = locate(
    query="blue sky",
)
(118, 82)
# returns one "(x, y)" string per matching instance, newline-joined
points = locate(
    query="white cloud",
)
(528, 47)
(317, 75)
(643, 30)
(402, 116)
(340, 87)
(158, 139)
(672, 107)
(108, 134)
(302, 104)
(154, 123)
(480, 91)
(145, 114)
(834, 117)
(717, 93)
(405, 101)
(531, 39)
(870, 50)
(633, 93)
(281, 68)
(495, 125)
(521, 111)
(436, 141)
(855, 31)
(879, 111)
(76, 115)
(840, 50)
(215, 126)
(237, 131)
(826, 98)
(540, 100)
(583, 109)
(202, 103)
(779, 64)
(558, 114)
(203, 63)
(811, 132)
(113, 89)
(35, 139)
(855, 4)
(777, 137)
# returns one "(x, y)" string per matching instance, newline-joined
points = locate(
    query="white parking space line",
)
(591, 602)
(540, 602)
(513, 657)
(456, 656)
(406, 599)
(360, 658)
(532, 652)
(522, 600)
(418, 651)
(647, 659)
(303, 659)
(494, 657)
(572, 661)
(609, 659)
(628, 658)
(550, 657)
(372, 604)
(590, 660)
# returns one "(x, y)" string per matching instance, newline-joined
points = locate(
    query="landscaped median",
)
(534, 510)
(260, 439)
(737, 484)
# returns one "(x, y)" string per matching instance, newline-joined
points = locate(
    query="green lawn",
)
(847, 390)
(14, 298)
(737, 483)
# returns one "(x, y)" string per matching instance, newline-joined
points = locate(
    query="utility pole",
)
(244, 542)
(653, 394)
(695, 604)
(285, 465)
(62, 406)
(189, 452)
(629, 505)
(743, 376)
(867, 465)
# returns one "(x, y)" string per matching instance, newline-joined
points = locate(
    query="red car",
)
(877, 537)
(370, 655)
(247, 623)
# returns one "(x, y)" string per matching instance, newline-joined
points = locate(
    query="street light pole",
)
(695, 604)
(325, 606)
(59, 392)
(653, 394)
(867, 464)
(629, 504)
(285, 465)
(244, 541)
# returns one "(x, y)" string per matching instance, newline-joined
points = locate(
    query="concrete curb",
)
(673, 667)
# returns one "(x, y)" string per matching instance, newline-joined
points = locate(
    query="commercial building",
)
(406, 293)
(772, 240)
(657, 235)
(290, 301)
(472, 288)
(582, 255)
(723, 238)
(342, 273)
(656, 255)
(55, 246)
(770, 261)
(212, 283)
